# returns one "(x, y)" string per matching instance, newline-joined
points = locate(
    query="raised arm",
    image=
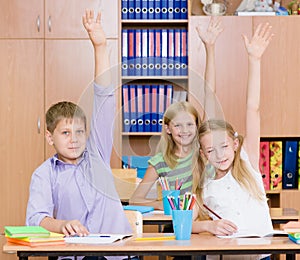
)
(98, 39)
(209, 36)
(255, 49)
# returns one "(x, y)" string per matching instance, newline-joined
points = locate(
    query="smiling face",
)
(69, 139)
(219, 149)
(182, 128)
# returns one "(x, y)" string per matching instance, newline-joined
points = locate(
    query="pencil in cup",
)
(187, 203)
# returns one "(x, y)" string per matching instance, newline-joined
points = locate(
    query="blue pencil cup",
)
(182, 224)
(166, 204)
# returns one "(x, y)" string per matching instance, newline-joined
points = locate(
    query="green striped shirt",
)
(182, 171)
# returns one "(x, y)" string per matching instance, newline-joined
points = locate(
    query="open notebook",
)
(96, 238)
(245, 233)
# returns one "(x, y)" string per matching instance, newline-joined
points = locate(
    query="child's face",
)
(219, 149)
(68, 139)
(182, 128)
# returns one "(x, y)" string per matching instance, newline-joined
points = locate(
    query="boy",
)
(73, 192)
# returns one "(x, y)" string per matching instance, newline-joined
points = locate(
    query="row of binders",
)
(143, 106)
(154, 9)
(279, 164)
(154, 52)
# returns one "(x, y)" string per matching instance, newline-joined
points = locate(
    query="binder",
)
(125, 52)
(157, 53)
(289, 175)
(145, 48)
(171, 52)
(133, 108)
(169, 96)
(275, 165)
(151, 47)
(164, 52)
(140, 108)
(144, 7)
(157, 10)
(164, 9)
(184, 52)
(151, 10)
(147, 108)
(177, 52)
(124, 9)
(264, 163)
(153, 108)
(138, 53)
(138, 9)
(177, 9)
(171, 13)
(125, 108)
(184, 9)
(131, 54)
(131, 10)
(160, 106)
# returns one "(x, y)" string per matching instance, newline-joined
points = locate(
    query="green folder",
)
(26, 231)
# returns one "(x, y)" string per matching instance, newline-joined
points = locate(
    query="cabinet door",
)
(21, 19)
(69, 73)
(63, 18)
(21, 113)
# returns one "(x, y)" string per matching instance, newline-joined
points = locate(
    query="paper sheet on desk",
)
(96, 238)
(248, 234)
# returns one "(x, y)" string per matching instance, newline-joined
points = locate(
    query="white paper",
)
(96, 238)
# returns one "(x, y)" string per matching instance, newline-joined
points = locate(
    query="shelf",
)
(157, 21)
(141, 133)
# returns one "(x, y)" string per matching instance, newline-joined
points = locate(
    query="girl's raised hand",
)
(94, 27)
(214, 29)
(260, 40)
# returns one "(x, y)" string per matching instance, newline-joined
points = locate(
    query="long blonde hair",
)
(240, 171)
(166, 145)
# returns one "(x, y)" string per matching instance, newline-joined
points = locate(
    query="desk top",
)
(200, 243)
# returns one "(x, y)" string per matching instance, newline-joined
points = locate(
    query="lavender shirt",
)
(84, 191)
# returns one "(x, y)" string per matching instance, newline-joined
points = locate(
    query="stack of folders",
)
(32, 236)
(143, 106)
(154, 9)
(293, 232)
(154, 52)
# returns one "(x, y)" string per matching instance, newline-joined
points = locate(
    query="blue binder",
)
(290, 156)
(157, 9)
(184, 52)
(131, 52)
(144, 6)
(184, 9)
(177, 52)
(151, 48)
(131, 9)
(125, 52)
(154, 108)
(133, 108)
(171, 52)
(124, 9)
(140, 107)
(125, 108)
(138, 10)
(138, 53)
(161, 106)
(147, 108)
(145, 48)
(164, 9)
(164, 52)
(157, 53)
(170, 14)
(177, 9)
(151, 9)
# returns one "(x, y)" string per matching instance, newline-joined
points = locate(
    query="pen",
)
(211, 211)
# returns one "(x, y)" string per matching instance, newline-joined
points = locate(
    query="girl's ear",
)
(167, 129)
(236, 144)
(202, 154)
(49, 138)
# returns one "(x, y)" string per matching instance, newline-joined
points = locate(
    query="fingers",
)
(88, 17)
(224, 227)
(74, 227)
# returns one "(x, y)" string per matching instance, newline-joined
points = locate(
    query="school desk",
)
(278, 216)
(199, 244)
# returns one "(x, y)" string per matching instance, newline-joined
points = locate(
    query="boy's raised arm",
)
(98, 39)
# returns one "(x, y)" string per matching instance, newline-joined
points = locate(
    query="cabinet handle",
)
(49, 24)
(38, 23)
(39, 125)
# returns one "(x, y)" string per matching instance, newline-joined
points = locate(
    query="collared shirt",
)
(84, 191)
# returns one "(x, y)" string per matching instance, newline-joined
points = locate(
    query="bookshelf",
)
(158, 23)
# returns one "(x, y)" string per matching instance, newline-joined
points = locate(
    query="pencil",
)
(211, 211)
(155, 238)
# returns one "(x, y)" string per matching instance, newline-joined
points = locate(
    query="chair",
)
(126, 182)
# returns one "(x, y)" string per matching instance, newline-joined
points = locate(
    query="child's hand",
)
(222, 227)
(74, 227)
(259, 42)
(210, 35)
(94, 28)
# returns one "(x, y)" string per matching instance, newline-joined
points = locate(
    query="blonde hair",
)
(166, 145)
(240, 171)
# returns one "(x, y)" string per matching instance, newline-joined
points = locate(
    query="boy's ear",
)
(49, 138)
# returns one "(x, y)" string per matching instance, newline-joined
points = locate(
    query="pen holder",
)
(166, 204)
(182, 224)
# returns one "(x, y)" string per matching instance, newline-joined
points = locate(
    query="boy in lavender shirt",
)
(73, 192)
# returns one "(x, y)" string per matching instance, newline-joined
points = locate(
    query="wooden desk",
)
(203, 244)
(278, 216)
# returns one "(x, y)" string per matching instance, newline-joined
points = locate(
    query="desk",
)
(202, 244)
(278, 216)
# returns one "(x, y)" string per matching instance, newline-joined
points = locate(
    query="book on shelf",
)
(248, 234)
(96, 238)
(253, 13)
(26, 231)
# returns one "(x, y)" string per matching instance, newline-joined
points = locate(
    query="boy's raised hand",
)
(94, 27)
(214, 29)
(260, 40)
